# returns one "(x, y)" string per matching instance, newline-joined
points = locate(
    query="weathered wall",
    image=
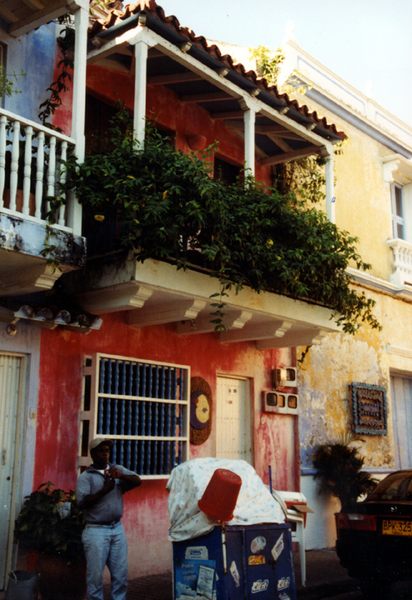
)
(363, 207)
(34, 54)
(58, 417)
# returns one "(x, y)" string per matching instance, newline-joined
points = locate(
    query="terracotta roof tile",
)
(114, 16)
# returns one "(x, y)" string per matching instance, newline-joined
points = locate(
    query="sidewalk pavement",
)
(325, 578)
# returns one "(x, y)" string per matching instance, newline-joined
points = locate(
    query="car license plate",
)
(392, 527)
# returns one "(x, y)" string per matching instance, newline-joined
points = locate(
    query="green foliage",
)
(172, 209)
(339, 472)
(8, 82)
(51, 523)
(268, 63)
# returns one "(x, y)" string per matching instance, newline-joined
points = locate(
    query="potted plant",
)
(51, 525)
(339, 472)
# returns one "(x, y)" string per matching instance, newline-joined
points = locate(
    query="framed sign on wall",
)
(368, 408)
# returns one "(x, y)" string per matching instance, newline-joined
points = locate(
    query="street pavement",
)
(325, 579)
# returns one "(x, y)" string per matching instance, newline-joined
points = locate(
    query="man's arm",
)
(128, 480)
(88, 500)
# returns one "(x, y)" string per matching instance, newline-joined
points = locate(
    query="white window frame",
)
(398, 218)
(158, 435)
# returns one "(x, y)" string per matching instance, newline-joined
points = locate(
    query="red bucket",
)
(220, 496)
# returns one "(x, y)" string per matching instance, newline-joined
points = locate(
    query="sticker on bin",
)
(284, 596)
(278, 548)
(234, 573)
(257, 544)
(261, 585)
(256, 559)
(205, 582)
(283, 583)
(196, 553)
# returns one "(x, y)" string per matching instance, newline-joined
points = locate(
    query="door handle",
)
(3, 456)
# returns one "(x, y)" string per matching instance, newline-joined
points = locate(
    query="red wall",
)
(146, 518)
(62, 356)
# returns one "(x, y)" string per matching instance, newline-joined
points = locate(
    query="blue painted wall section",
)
(35, 54)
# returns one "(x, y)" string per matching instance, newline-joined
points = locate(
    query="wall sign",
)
(368, 408)
(200, 410)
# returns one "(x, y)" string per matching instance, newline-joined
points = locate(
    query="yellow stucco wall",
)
(363, 207)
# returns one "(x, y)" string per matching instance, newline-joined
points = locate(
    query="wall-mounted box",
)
(285, 377)
(279, 402)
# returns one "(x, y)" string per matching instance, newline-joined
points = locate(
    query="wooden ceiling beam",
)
(35, 4)
(222, 116)
(7, 15)
(281, 131)
(212, 97)
(295, 154)
(173, 78)
(276, 139)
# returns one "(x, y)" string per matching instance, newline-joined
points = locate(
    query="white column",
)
(330, 188)
(140, 84)
(74, 213)
(249, 118)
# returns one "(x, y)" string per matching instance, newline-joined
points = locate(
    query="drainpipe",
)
(330, 186)
(74, 217)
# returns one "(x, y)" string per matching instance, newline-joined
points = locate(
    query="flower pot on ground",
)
(51, 525)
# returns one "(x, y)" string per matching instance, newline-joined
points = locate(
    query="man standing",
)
(99, 495)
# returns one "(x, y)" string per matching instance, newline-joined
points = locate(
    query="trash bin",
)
(235, 562)
(247, 556)
(22, 585)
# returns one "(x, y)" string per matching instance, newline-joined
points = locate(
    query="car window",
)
(394, 487)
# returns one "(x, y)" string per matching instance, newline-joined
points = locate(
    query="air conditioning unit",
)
(285, 377)
(279, 402)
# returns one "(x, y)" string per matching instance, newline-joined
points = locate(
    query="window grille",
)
(142, 406)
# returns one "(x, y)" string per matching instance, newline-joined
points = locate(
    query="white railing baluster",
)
(3, 125)
(27, 169)
(402, 261)
(39, 175)
(51, 173)
(19, 176)
(15, 152)
(62, 181)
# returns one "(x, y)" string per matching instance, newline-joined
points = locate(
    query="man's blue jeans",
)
(105, 545)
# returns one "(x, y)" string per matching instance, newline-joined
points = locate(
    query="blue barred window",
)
(142, 406)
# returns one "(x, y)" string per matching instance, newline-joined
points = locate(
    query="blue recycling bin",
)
(236, 562)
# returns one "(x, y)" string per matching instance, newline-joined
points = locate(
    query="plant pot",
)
(61, 579)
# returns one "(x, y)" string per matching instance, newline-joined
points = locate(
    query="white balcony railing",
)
(32, 169)
(402, 261)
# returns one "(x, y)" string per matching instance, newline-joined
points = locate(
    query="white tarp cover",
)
(189, 480)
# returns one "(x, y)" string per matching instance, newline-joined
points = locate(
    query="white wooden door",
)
(12, 368)
(233, 419)
(402, 419)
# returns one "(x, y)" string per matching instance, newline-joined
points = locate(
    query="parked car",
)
(374, 540)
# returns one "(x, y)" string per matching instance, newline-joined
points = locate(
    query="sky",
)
(368, 43)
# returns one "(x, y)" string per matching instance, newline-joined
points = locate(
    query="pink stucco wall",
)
(60, 388)
(62, 353)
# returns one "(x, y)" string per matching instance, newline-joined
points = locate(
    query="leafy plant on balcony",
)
(171, 209)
